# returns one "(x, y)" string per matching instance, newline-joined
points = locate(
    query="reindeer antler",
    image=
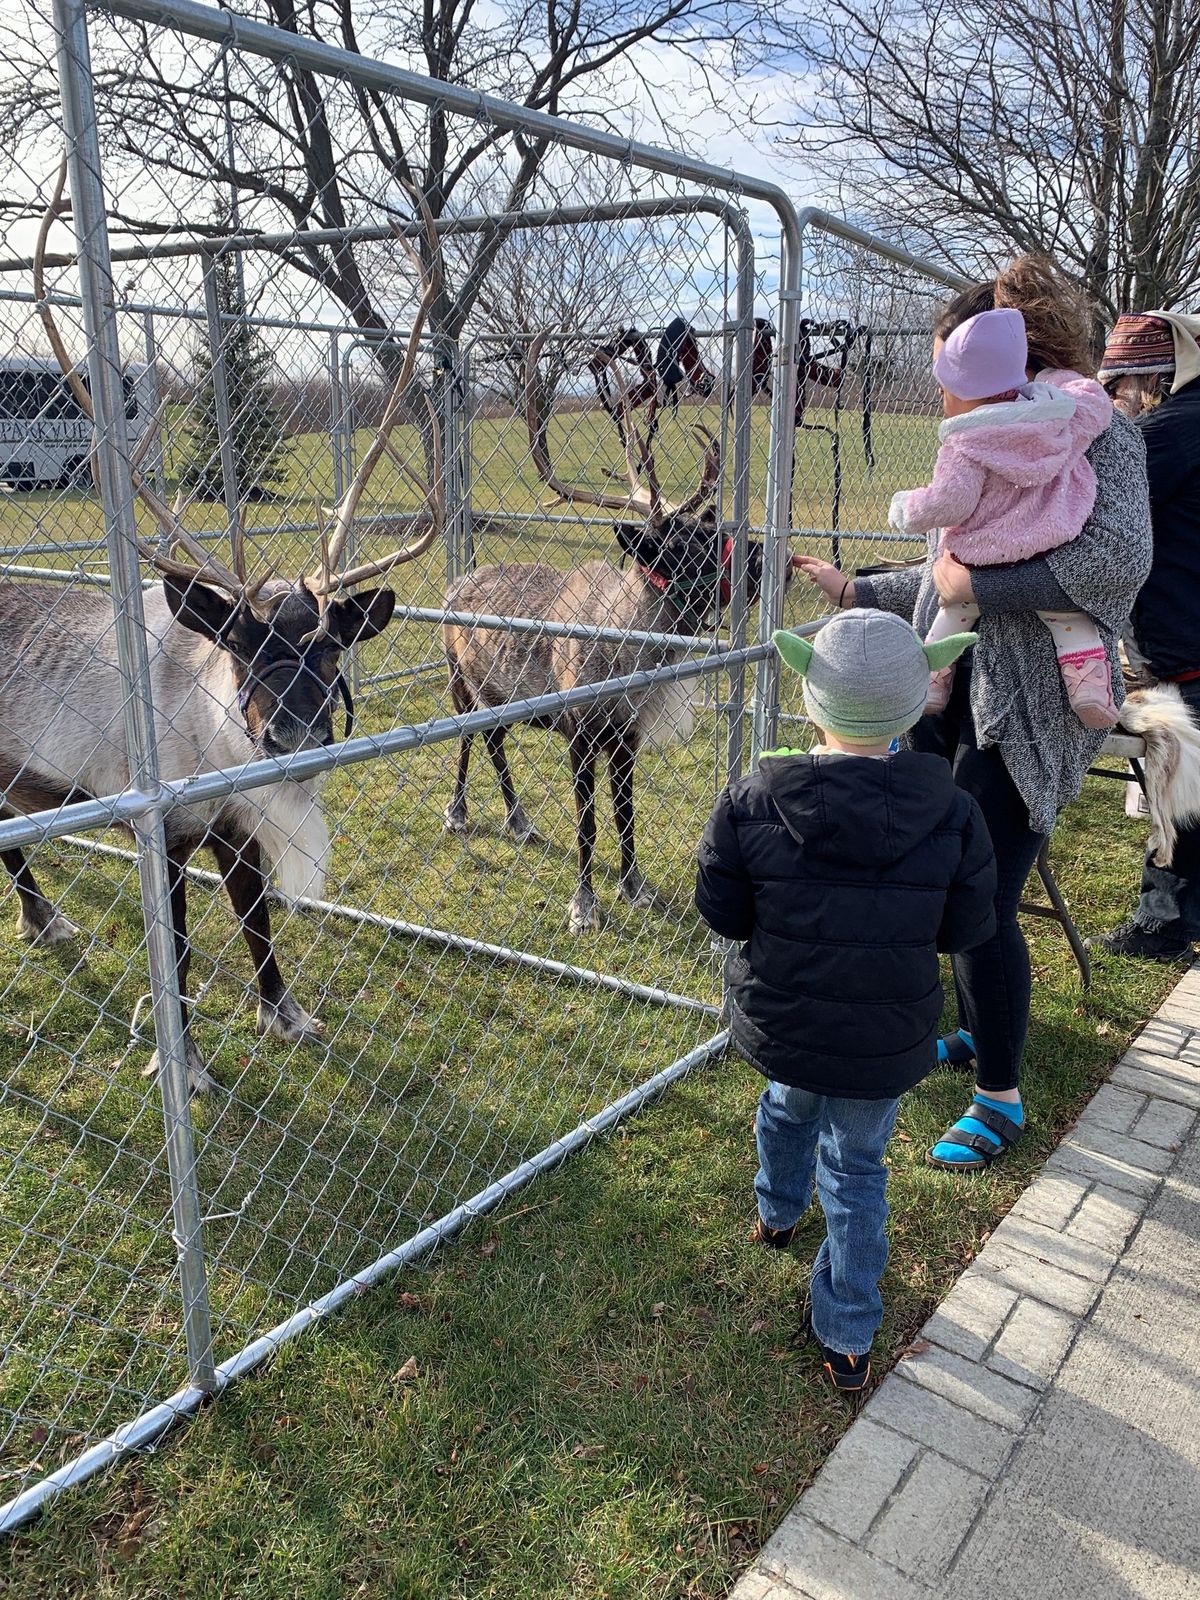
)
(644, 497)
(326, 579)
(207, 569)
(710, 472)
(638, 498)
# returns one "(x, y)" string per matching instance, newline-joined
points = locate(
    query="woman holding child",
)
(1024, 714)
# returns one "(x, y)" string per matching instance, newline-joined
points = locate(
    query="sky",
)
(677, 111)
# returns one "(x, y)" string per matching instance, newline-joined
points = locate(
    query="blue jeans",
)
(841, 1143)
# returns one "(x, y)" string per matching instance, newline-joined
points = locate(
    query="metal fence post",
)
(104, 368)
(777, 547)
(337, 421)
(450, 404)
(743, 418)
(463, 381)
(155, 462)
(220, 379)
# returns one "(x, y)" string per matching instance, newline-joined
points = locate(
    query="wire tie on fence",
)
(134, 1035)
(224, 1216)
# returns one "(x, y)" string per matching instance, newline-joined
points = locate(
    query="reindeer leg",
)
(456, 811)
(583, 910)
(622, 756)
(246, 884)
(464, 701)
(199, 1077)
(516, 822)
(40, 922)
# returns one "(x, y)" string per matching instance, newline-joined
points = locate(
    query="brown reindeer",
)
(673, 585)
(238, 669)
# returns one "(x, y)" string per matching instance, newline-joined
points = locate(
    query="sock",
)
(1015, 1112)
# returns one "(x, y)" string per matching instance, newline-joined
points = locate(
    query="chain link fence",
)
(419, 574)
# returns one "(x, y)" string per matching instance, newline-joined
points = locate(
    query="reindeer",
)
(679, 563)
(238, 668)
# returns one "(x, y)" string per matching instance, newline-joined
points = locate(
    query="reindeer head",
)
(284, 653)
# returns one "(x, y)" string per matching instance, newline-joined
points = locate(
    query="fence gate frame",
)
(147, 800)
(144, 804)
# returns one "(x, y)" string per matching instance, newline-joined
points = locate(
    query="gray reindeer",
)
(238, 669)
(679, 568)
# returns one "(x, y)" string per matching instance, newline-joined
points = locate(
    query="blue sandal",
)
(1006, 1131)
(956, 1050)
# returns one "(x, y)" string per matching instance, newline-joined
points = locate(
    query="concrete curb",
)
(893, 1505)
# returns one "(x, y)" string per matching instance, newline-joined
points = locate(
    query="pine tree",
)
(260, 447)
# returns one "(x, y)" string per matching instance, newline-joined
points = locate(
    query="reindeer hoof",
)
(584, 914)
(455, 821)
(520, 830)
(287, 1021)
(200, 1079)
(637, 893)
(58, 930)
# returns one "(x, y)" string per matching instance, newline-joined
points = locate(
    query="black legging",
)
(992, 982)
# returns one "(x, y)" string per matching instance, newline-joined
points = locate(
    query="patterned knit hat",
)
(1139, 344)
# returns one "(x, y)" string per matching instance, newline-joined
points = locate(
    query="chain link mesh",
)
(453, 997)
(867, 413)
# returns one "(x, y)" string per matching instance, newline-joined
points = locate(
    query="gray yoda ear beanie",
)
(866, 673)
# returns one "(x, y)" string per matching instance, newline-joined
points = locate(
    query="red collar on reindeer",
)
(665, 586)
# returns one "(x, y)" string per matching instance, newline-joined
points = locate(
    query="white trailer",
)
(45, 439)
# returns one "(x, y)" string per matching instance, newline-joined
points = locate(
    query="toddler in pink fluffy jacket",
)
(1012, 481)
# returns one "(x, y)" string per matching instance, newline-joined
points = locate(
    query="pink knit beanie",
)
(985, 355)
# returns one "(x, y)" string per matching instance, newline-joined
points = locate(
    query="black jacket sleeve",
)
(724, 892)
(1172, 454)
(970, 914)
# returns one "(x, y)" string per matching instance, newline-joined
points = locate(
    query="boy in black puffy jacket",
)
(843, 872)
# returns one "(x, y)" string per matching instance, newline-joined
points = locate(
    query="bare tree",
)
(1064, 127)
(295, 150)
(564, 278)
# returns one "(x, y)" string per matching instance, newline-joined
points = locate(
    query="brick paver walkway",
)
(1043, 1441)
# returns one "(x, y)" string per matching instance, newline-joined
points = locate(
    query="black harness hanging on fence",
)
(868, 379)
(829, 370)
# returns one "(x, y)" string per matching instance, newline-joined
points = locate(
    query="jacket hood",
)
(857, 808)
(1027, 442)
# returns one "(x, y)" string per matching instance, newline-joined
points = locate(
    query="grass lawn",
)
(592, 1393)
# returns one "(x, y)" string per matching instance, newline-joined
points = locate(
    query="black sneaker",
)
(773, 1238)
(1144, 941)
(847, 1374)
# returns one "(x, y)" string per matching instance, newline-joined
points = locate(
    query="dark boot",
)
(1145, 941)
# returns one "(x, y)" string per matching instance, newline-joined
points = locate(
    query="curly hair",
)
(1058, 320)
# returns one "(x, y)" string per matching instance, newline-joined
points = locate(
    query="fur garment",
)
(1171, 764)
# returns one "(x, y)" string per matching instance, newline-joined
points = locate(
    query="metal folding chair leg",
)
(1057, 911)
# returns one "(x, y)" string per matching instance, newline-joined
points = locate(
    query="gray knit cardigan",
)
(1018, 701)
